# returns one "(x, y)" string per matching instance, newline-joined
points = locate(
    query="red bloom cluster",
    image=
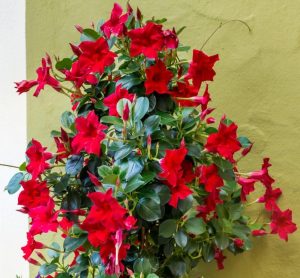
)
(105, 223)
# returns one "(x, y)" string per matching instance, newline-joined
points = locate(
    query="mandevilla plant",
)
(142, 183)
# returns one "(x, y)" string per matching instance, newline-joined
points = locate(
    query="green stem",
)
(8, 165)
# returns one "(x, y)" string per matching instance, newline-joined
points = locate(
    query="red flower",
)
(105, 224)
(25, 85)
(224, 142)
(113, 252)
(147, 40)
(115, 25)
(171, 39)
(31, 245)
(247, 186)
(270, 198)
(173, 166)
(37, 159)
(79, 75)
(209, 177)
(34, 194)
(96, 55)
(43, 78)
(179, 192)
(219, 257)
(282, 223)
(157, 78)
(111, 101)
(90, 134)
(239, 243)
(105, 218)
(44, 219)
(263, 174)
(201, 68)
(184, 92)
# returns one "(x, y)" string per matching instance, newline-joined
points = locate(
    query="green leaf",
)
(163, 193)
(135, 167)
(72, 243)
(183, 48)
(222, 163)
(65, 63)
(151, 124)
(208, 252)
(245, 142)
(144, 265)
(47, 269)
(123, 152)
(181, 238)
(89, 35)
(63, 275)
(177, 267)
(22, 167)
(148, 209)
(167, 228)
(165, 118)
(134, 184)
(130, 80)
(195, 226)
(141, 108)
(67, 119)
(104, 171)
(52, 253)
(112, 120)
(14, 183)
(185, 204)
(222, 241)
(148, 176)
(74, 165)
(152, 275)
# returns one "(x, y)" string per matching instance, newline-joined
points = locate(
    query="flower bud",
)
(126, 112)
(79, 28)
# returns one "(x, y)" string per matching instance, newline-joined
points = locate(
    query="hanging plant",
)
(143, 182)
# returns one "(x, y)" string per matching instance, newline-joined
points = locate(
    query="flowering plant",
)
(142, 183)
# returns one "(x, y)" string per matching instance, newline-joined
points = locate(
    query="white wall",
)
(13, 225)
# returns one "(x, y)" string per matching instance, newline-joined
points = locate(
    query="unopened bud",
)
(139, 15)
(33, 261)
(125, 115)
(79, 28)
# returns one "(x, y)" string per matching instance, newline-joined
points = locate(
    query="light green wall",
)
(257, 85)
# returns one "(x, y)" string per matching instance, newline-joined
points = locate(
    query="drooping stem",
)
(220, 26)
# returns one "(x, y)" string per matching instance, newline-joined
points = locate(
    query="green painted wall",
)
(257, 85)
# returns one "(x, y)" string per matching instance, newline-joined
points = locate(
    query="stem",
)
(54, 249)
(220, 26)
(252, 203)
(8, 165)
